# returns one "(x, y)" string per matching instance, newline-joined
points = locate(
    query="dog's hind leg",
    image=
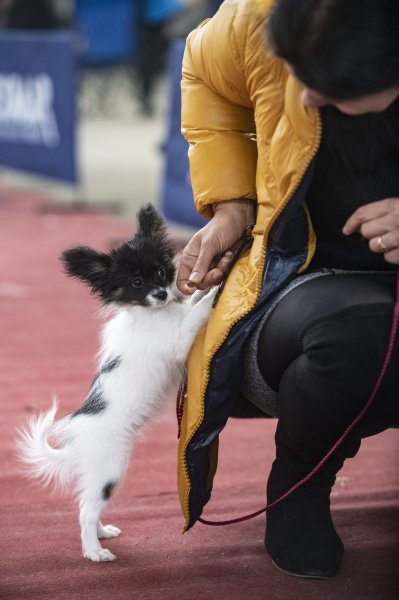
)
(89, 518)
(107, 531)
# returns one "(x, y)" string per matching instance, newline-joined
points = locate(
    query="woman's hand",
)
(209, 252)
(378, 222)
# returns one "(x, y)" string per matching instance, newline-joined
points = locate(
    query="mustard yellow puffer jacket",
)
(250, 137)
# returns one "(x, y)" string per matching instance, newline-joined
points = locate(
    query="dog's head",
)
(139, 272)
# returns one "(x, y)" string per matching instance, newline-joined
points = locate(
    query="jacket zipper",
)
(258, 290)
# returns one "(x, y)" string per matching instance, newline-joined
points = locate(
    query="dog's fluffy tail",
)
(42, 461)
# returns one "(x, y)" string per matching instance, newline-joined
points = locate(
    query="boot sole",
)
(301, 575)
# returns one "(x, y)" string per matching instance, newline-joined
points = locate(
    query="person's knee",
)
(350, 344)
(328, 384)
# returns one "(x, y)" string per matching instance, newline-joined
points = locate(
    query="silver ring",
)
(381, 245)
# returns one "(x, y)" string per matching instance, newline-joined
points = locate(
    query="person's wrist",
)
(242, 211)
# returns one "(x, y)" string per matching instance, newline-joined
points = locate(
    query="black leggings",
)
(322, 349)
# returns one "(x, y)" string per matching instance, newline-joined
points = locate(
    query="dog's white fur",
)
(91, 451)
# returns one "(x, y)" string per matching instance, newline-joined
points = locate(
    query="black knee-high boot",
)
(300, 535)
(321, 392)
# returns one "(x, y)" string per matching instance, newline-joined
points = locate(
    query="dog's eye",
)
(137, 282)
(162, 273)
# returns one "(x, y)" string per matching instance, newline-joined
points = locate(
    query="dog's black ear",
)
(151, 224)
(87, 264)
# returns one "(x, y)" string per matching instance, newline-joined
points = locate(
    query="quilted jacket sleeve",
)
(217, 111)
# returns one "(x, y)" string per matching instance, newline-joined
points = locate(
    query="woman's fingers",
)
(370, 212)
(188, 258)
(207, 252)
(378, 222)
(200, 264)
(216, 275)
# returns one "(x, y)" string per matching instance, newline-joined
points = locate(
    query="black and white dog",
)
(143, 352)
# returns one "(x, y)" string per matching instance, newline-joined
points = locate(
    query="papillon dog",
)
(145, 344)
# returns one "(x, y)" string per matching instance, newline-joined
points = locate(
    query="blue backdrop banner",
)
(37, 103)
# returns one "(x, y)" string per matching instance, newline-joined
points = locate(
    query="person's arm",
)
(218, 122)
(217, 114)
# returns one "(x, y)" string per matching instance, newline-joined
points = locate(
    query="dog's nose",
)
(160, 295)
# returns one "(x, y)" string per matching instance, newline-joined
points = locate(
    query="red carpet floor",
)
(48, 340)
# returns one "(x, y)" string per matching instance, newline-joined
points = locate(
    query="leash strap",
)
(388, 355)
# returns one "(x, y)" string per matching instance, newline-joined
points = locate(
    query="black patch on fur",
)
(107, 367)
(94, 403)
(111, 364)
(107, 490)
(130, 273)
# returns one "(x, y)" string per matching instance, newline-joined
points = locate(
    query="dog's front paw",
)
(209, 297)
(108, 531)
(200, 311)
(100, 555)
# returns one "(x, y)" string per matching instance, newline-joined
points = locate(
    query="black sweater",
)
(357, 163)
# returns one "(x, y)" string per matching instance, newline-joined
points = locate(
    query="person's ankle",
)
(300, 536)
(317, 557)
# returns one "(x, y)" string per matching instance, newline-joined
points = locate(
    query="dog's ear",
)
(151, 223)
(87, 264)
(152, 226)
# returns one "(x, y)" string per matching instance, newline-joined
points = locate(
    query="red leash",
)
(388, 355)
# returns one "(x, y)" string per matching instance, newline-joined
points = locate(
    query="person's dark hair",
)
(343, 49)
